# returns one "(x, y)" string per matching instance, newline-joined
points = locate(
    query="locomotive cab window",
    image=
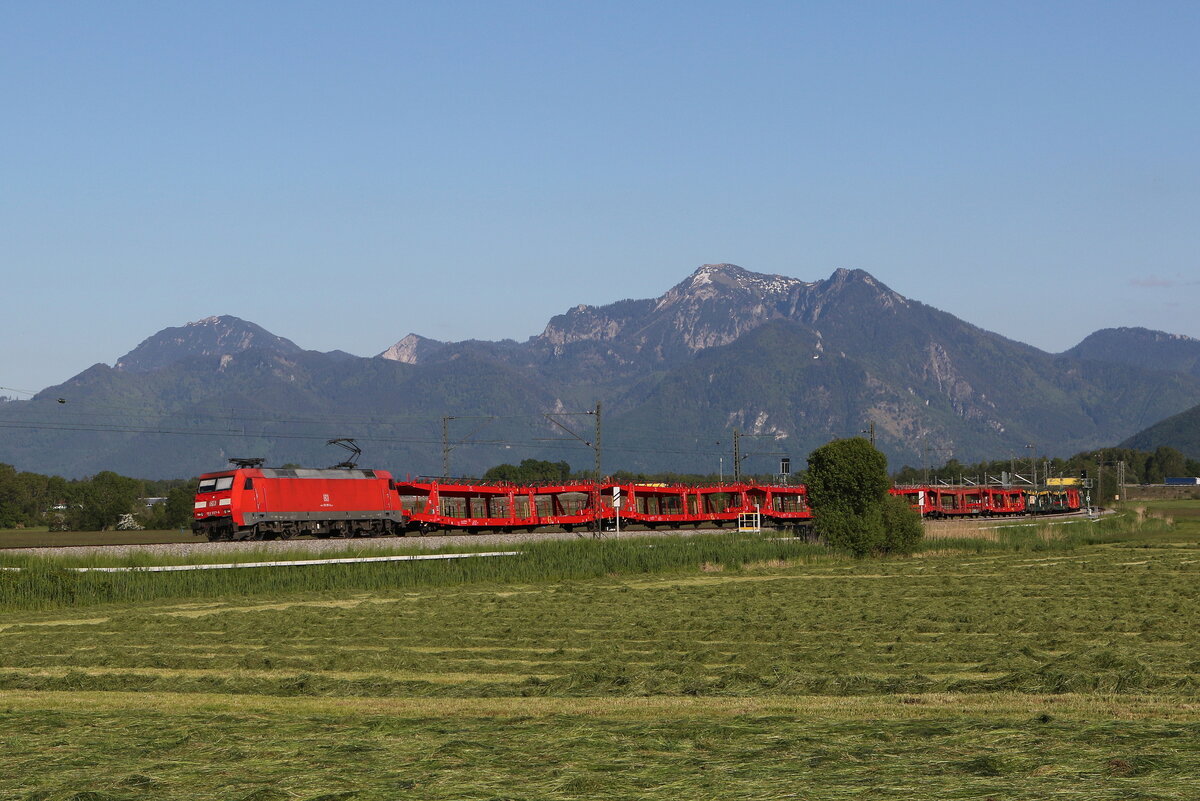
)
(224, 483)
(249, 485)
(207, 485)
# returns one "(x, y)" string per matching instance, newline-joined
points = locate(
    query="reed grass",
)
(44, 583)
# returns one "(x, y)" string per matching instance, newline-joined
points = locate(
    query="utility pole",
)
(870, 432)
(598, 473)
(595, 446)
(596, 499)
(445, 447)
(594, 443)
(737, 456)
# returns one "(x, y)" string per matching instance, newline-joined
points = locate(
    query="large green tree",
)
(848, 484)
(99, 503)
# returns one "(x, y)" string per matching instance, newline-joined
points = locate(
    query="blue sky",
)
(345, 173)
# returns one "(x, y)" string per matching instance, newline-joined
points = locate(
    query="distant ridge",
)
(1180, 431)
(1141, 347)
(790, 363)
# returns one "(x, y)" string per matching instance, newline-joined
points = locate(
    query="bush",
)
(902, 526)
(861, 534)
(848, 489)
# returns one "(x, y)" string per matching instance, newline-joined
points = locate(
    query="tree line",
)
(536, 471)
(1141, 467)
(103, 501)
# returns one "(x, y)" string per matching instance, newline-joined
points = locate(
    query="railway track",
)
(436, 541)
(429, 542)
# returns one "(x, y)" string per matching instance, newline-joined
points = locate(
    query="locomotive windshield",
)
(215, 484)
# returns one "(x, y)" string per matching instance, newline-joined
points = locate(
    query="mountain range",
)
(788, 363)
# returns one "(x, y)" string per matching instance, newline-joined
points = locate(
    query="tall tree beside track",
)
(848, 484)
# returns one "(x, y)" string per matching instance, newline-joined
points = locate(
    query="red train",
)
(277, 503)
(986, 501)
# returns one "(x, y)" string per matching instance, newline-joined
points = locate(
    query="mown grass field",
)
(43, 538)
(1023, 664)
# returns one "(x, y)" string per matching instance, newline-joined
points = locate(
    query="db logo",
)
(325, 497)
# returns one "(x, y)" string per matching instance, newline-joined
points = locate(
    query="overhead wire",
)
(218, 412)
(21, 391)
(89, 416)
(566, 444)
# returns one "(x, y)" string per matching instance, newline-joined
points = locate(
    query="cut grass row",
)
(1110, 619)
(218, 752)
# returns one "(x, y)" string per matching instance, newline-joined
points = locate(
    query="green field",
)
(42, 538)
(1025, 664)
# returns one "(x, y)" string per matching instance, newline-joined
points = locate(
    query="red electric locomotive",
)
(252, 502)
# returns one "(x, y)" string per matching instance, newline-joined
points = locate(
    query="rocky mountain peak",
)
(711, 281)
(714, 306)
(849, 291)
(844, 279)
(411, 350)
(212, 336)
